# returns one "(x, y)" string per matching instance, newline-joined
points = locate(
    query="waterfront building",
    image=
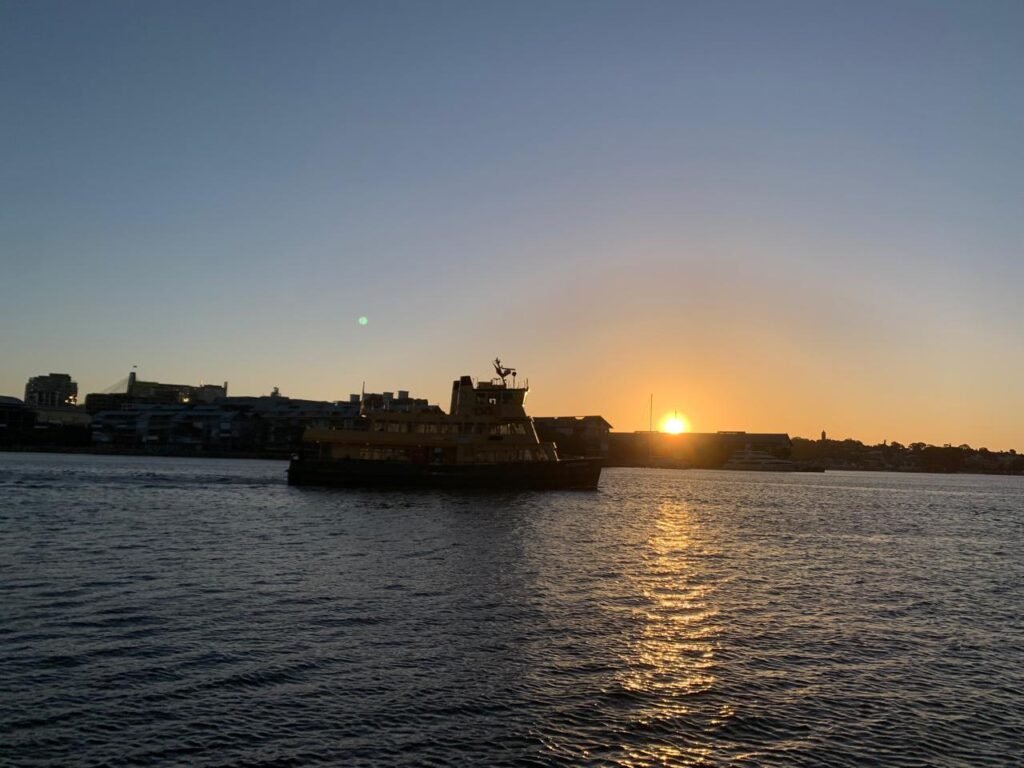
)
(372, 402)
(691, 449)
(95, 402)
(140, 392)
(575, 435)
(51, 391)
(17, 421)
(157, 392)
(271, 424)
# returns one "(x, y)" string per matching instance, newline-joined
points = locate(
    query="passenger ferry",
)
(486, 440)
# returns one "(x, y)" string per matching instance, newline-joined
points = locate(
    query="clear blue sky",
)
(772, 215)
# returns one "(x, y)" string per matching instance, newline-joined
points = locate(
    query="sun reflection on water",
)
(672, 659)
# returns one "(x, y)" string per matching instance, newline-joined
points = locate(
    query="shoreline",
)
(176, 454)
(286, 455)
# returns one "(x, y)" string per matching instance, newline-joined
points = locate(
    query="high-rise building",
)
(51, 391)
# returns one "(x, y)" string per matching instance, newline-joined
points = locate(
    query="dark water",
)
(171, 611)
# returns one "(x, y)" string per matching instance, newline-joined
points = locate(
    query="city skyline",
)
(666, 422)
(776, 218)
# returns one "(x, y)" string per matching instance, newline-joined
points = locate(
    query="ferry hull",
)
(567, 474)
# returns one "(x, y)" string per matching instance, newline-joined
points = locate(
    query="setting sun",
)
(675, 424)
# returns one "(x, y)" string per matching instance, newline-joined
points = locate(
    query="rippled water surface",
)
(175, 611)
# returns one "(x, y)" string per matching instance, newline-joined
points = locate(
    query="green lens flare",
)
(363, 320)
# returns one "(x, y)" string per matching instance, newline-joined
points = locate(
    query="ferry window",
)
(396, 426)
(379, 426)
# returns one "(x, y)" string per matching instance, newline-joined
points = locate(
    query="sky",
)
(769, 216)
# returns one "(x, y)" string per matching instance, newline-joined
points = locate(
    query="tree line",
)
(915, 457)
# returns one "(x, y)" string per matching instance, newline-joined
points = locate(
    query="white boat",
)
(750, 460)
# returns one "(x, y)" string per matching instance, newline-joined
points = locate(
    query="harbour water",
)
(174, 611)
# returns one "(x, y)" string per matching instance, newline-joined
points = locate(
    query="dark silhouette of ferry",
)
(486, 440)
